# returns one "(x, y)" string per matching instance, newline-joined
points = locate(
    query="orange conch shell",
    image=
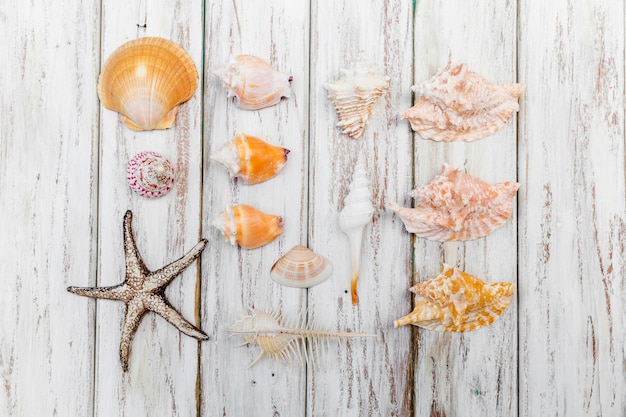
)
(247, 226)
(457, 206)
(253, 82)
(145, 80)
(251, 159)
(455, 301)
(457, 104)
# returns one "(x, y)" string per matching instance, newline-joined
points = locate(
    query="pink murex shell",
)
(150, 175)
(457, 104)
(457, 206)
(455, 301)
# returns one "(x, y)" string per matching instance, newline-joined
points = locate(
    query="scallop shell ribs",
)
(145, 80)
(251, 158)
(457, 206)
(457, 104)
(455, 301)
(247, 226)
(354, 96)
(301, 268)
(253, 82)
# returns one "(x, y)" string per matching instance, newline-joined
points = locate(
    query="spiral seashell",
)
(145, 80)
(253, 82)
(455, 301)
(251, 158)
(301, 268)
(356, 214)
(354, 96)
(457, 206)
(457, 104)
(150, 175)
(247, 226)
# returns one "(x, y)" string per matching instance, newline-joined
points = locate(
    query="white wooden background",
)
(558, 350)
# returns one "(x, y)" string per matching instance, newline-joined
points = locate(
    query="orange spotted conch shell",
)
(145, 80)
(457, 206)
(247, 226)
(457, 104)
(455, 301)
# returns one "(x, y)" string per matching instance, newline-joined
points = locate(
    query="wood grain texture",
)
(235, 279)
(371, 376)
(48, 137)
(161, 379)
(473, 373)
(571, 159)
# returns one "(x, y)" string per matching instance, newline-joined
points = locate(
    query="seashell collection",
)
(145, 80)
(457, 104)
(457, 206)
(150, 175)
(455, 301)
(301, 268)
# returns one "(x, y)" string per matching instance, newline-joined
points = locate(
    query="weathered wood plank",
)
(236, 279)
(572, 219)
(48, 189)
(165, 228)
(472, 373)
(364, 377)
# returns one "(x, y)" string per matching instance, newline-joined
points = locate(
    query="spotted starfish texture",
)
(143, 291)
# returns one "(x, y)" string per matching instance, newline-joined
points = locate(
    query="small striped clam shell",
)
(301, 268)
(150, 175)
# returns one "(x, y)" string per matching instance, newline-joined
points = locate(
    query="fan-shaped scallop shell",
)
(145, 80)
(457, 206)
(301, 268)
(150, 174)
(455, 301)
(247, 226)
(251, 158)
(457, 104)
(253, 82)
(354, 96)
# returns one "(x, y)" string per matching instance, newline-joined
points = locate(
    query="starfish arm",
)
(159, 279)
(135, 268)
(116, 292)
(159, 305)
(134, 312)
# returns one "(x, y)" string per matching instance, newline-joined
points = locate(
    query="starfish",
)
(144, 291)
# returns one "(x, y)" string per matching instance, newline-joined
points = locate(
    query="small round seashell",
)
(301, 268)
(150, 175)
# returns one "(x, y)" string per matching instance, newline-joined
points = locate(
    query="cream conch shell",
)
(251, 158)
(253, 82)
(301, 268)
(457, 206)
(247, 226)
(455, 301)
(149, 174)
(457, 104)
(356, 214)
(354, 96)
(145, 80)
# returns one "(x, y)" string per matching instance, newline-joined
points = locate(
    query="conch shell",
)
(247, 226)
(149, 174)
(251, 159)
(356, 214)
(455, 301)
(301, 268)
(145, 80)
(457, 104)
(457, 206)
(354, 96)
(253, 82)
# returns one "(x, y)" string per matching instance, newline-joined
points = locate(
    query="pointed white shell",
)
(150, 174)
(301, 268)
(354, 96)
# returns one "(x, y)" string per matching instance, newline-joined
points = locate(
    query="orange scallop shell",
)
(145, 80)
(248, 227)
(457, 206)
(455, 301)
